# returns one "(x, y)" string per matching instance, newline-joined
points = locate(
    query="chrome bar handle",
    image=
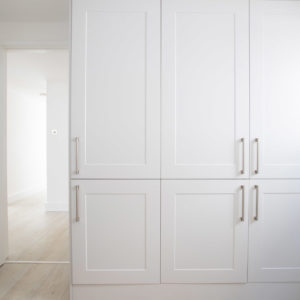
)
(76, 155)
(256, 205)
(243, 157)
(242, 218)
(257, 156)
(77, 218)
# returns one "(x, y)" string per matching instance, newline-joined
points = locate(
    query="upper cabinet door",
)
(115, 106)
(205, 88)
(275, 89)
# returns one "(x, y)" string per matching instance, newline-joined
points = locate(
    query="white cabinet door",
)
(204, 239)
(116, 239)
(274, 244)
(205, 88)
(115, 106)
(275, 89)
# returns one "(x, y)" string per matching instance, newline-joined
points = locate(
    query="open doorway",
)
(37, 155)
(37, 169)
(34, 137)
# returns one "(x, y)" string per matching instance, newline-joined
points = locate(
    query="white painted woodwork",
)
(3, 161)
(205, 113)
(203, 238)
(274, 244)
(205, 88)
(117, 239)
(115, 88)
(287, 291)
(275, 88)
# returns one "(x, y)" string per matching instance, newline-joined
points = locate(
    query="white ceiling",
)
(34, 10)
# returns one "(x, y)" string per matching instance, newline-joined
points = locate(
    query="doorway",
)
(37, 171)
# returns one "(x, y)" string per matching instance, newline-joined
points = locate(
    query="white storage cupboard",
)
(185, 146)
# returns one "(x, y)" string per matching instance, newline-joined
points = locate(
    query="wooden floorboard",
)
(35, 234)
(34, 282)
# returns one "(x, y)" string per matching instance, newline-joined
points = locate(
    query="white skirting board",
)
(257, 291)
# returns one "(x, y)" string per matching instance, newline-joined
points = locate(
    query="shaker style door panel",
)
(115, 89)
(205, 89)
(115, 232)
(274, 222)
(275, 89)
(204, 231)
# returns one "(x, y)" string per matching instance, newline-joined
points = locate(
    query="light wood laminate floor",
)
(34, 282)
(35, 234)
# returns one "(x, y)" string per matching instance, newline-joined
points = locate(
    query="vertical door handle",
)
(243, 156)
(77, 218)
(76, 155)
(242, 218)
(256, 205)
(257, 156)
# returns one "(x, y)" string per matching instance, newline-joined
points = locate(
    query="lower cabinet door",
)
(115, 231)
(204, 231)
(274, 231)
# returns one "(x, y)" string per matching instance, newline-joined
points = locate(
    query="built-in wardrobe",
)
(185, 147)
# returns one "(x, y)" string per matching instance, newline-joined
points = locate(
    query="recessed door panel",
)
(274, 246)
(275, 89)
(205, 89)
(115, 232)
(116, 89)
(204, 233)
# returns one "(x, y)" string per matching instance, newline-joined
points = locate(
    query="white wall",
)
(57, 145)
(3, 179)
(26, 143)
